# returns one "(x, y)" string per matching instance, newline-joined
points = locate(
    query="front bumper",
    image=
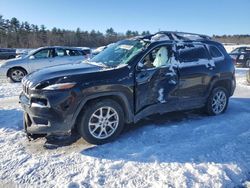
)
(48, 114)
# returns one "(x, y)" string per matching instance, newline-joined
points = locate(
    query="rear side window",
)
(215, 52)
(60, 52)
(73, 52)
(191, 53)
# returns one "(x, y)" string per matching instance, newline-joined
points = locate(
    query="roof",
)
(64, 47)
(175, 36)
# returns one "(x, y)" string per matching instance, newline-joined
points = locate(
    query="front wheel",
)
(101, 121)
(217, 101)
(16, 74)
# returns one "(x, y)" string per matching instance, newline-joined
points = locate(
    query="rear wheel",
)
(16, 74)
(101, 122)
(217, 101)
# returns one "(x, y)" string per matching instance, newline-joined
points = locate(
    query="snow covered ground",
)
(184, 149)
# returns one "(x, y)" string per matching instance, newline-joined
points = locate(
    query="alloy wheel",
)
(219, 102)
(17, 75)
(103, 122)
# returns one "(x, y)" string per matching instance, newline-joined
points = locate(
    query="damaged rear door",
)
(196, 70)
(157, 81)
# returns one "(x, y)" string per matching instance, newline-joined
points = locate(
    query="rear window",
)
(190, 53)
(215, 52)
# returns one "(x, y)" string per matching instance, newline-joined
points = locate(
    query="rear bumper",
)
(233, 86)
(51, 117)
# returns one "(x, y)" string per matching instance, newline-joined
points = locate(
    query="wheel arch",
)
(225, 83)
(119, 97)
(15, 67)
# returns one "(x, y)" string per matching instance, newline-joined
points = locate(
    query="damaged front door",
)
(157, 80)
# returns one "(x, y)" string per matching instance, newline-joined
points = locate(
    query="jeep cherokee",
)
(131, 79)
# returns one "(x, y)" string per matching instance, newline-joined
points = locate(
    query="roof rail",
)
(175, 35)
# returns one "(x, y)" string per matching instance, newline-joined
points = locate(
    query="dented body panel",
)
(179, 84)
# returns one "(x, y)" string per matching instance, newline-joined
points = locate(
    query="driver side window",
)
(158, 57)
(45, 53)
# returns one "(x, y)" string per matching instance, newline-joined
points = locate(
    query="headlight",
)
(60, 86)
(2, 65)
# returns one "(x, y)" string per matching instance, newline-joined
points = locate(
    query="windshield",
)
(119, 53)
(29, 53)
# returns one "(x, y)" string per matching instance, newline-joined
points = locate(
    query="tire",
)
(94, 125)
(217, 106)
(16, 74)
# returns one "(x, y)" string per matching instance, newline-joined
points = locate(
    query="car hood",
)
(60, 71)
(11, 62)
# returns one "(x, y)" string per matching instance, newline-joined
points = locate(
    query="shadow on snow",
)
(184, 137)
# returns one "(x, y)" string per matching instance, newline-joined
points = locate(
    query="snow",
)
(161, 96)
(183, 149)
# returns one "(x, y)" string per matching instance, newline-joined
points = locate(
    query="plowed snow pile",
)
(184, 149)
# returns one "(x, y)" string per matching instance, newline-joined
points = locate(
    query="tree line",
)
(16, 34)
(235, 39)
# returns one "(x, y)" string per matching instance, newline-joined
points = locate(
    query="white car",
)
(16, 69)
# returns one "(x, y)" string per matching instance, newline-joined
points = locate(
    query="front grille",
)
(26, 86)
(26, 90)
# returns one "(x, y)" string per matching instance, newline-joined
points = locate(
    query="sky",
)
(200, 16)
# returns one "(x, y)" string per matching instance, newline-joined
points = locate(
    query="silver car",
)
(16, 69)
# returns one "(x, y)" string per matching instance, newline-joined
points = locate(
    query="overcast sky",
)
(200, 16)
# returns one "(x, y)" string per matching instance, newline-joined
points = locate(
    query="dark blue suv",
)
(128, 81)
(241, 56)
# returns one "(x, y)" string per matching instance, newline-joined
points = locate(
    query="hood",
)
(11, 62)
(59, 71)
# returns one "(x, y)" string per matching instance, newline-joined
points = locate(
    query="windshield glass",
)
(119, 53)
(29, 53)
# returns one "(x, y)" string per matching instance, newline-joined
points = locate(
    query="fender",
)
(20, 67)
(128, 112)
(216, 80)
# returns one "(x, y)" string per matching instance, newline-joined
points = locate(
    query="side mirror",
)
(32, 57)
